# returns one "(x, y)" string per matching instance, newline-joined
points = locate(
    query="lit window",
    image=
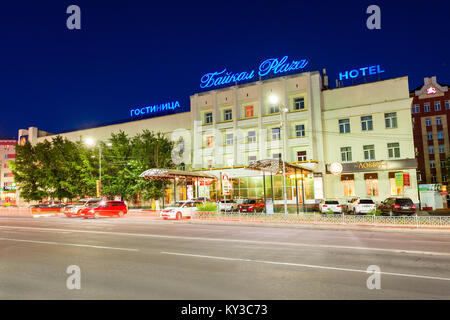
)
(426, 107)
(393, 150)
(390, 119)
(209, 141)
(366, 123)
(346, 154)
(299, 103)
(249, 111)
(344, 125)
(301, 155)
(349, 187)
(369, 152)
(300, 130)
(372, 187)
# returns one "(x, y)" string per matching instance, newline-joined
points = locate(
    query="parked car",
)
(330, 205)
(397, 206)
(74, 209)
(363, 206)
(251, 205)
(105, 209)
(180, 210)
(351, 203)
(227, 205)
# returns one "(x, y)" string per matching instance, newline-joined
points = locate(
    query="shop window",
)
(438, 121)
(437, 106)
(301, 155)
(349, 188)
(251, 137)
(426, 107)
(208, 118)
(369, 152)
(395, 190)
(300, 130)
(390, 120)
(249, 111)
(276, 133)
(346, 154)
(299, 103)
(366, 123)
(393, 150)
(372, 187)
(228, 115)
(344, 125)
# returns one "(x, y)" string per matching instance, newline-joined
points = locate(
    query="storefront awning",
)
(276, 167)
(170, 174)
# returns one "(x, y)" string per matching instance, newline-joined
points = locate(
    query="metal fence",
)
(335, 219)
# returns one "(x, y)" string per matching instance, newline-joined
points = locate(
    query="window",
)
(428, 122)
(416, 108)
(251, 136)
(210, 163)
(229, 139)
(276, 133)
(447, 104)
(299, 103)
(366, 123)
(209, 141)
(208, 118)
(390, 119)
(276, 156)
(346, 154)
(442, 164)
(438, 121)
(349, 187)
(440, 135)
(437, 106)
(393, 150)
(249, 111)
(433, 179)
(444, 178)
(300, 130)
(395, 190)
(432, 164)
(344, 125)
(426, 107)
(301, 155)
(369, 152)
(228, 115)
(274, 109)
(429, 136)
(441, 148)
(372, 187)
(430, 150)
(251, 158)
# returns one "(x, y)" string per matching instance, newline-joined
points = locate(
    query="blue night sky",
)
(137, 53)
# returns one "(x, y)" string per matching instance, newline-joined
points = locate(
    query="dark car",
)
(48, 207)
(397, 207)
(252, 205)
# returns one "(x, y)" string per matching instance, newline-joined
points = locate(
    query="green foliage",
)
(207, 207)
(63, 169)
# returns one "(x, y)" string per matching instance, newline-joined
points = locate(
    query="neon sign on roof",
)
(269, 66)
(155, 108)
(431, 90)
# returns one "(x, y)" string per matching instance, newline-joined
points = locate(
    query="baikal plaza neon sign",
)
(273, 65)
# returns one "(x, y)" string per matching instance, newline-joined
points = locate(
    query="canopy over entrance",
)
(169, 174)
(276, 167)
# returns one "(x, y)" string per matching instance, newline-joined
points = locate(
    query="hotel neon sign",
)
(272, 65)
(360, 72)
(155, 109)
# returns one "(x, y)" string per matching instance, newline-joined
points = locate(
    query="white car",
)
(180, 210)
(228, 205)
(330, 204)
(363, 206)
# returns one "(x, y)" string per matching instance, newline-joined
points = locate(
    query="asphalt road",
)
(141, 258)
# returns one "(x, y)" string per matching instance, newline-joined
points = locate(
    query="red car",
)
(105, 209)
(252, 205)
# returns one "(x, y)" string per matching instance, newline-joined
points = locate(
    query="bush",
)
(207, 207)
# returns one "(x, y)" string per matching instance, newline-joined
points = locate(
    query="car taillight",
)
(339, 206)
(413, 206)
(324, 205)
(396, 206)
(359, 202)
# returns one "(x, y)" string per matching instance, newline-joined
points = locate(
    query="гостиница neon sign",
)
(155, 109)
(273, 65)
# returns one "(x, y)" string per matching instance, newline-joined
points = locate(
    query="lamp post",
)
(91, 142)
(274, 100)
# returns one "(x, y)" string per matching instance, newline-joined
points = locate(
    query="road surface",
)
(142, 258)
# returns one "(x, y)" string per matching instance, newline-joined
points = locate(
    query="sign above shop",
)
(269, 66)
(155, 108)
(367, 166)
(360, 72)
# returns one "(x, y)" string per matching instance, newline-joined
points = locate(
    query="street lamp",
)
(274, 100)
(91, 142)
